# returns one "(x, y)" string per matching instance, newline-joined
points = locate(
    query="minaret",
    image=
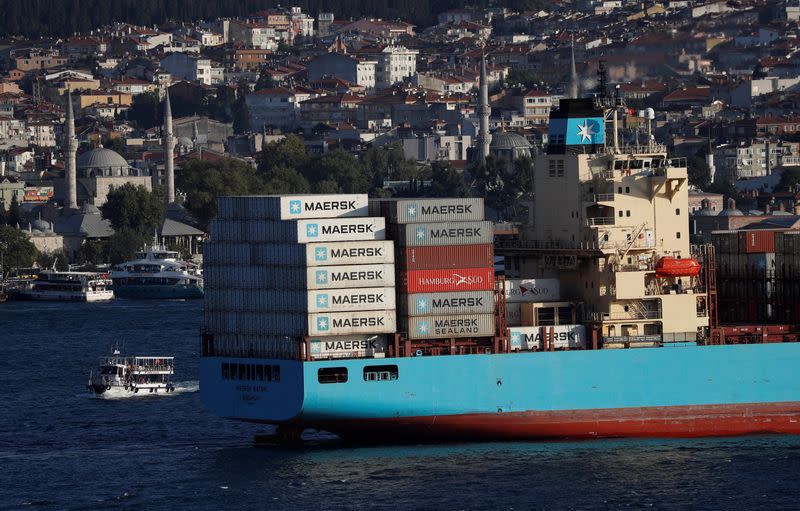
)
(169, 151)
(710, 158)
(573, 90)
(71, 174)
(484, 138)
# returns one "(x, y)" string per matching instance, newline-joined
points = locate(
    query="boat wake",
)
(181, 387)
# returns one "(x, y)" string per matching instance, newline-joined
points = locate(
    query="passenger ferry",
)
(157, 273)
(64, 286)
(119, 376)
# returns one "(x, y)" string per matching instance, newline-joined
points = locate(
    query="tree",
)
(146, 110)
(446, 181)
(16, 249)
(204, 181)
(93, 252)
(489, 182)
(14, 216)
(57, 260)
(388, 163)
(698, 171)
(133, 208)
(340, 167)
(285, 180)
(241, 114)
(3, 214)
(288, 152)
(124, 243)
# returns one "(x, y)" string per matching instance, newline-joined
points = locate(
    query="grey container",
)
(405, 211)
(291, 207)
(443, 233)
(445, 327)
(437, 304)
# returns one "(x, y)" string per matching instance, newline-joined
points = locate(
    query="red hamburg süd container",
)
(436, 281)
(450, 256)
(757, 242)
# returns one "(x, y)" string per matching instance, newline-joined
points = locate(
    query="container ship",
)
(387, 318)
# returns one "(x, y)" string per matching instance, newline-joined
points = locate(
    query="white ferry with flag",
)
(65, 286)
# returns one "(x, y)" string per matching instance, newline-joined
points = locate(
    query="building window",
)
(677, 211)
(678, 235)
(620, 213)
(380, 373)
(628, 213)
(619, 190)
(332, 375)
(627, 189)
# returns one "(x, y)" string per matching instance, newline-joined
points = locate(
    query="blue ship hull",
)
(158, 292)
(679, 391)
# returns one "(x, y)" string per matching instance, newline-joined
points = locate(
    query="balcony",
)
(600, 220)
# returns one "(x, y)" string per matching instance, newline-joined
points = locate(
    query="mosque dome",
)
(503, 140)
(103, 160)
(41, 225)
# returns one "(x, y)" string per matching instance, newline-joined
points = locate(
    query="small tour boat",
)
(119, 376)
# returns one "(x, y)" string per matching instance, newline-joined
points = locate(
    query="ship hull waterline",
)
(667, 422)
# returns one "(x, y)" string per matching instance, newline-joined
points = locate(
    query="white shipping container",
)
(436, 304)
(533, 290)
(350, 252)
(444, 327)
(532, 337)
(355, 322)
(444, 233)
(348, 346)
(341, 229)
(339, 300)
(352, 276)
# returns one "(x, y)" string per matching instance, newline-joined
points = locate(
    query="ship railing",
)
(633, 339)
(600, 220)
(634, 149)
(632, 314)
(544, 245)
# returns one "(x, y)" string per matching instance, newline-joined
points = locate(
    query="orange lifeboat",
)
(674, 267)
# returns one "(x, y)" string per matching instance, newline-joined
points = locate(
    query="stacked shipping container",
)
(282, 268)
(445, 260)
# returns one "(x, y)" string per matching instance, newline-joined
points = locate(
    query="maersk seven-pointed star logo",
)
(586, 132)
(316, 347)
(322, 301)
(295, 207)
(321, 254)
(312, 230)
(322, 277)
(411, 210)
(423, 327)
(422, 304)
(322, 323)
(516, 338)
(420, 233)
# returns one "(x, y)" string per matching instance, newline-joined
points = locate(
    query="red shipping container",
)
(451, 256)
(436, 281)
(757, 242)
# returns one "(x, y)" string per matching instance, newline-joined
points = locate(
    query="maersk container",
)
(340, 229)
(351, 276)
(340, 300)
(292, 207)
(443, 233)
(533, 338)
(350, 252)
(445, 327)
(532, 290)
(757, 242)
(437, 304)
(407, 211)
(354, 322)
(348, 346)
(448, 256)
(440, 281)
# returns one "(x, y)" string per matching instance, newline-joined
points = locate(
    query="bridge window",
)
(226, 371)
(332, 375)
(380, 373)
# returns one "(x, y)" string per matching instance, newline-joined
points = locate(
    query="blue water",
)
(60, 449)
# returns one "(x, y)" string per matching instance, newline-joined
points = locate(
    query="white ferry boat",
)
(157, 273)
(65, 286)
(119, 376)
